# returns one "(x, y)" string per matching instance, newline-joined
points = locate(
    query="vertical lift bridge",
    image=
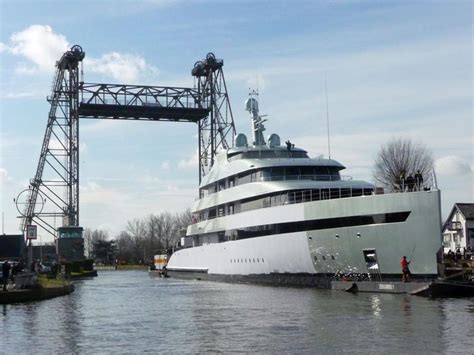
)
(57, 176)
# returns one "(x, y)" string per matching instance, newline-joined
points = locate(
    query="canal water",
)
(123, 312)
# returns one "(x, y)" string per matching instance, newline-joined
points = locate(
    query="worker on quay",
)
(405, 270)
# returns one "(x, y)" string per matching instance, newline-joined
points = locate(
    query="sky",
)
(393, 69)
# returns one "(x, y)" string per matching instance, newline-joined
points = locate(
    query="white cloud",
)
(190, 163)
(4, 178)
(83, 148)
(39, 45)
(126, 68)
(255, 81)
(452, 165)
(165, 165)
(55, 144)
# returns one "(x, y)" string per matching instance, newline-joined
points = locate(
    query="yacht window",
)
(307, 173)
(324, 194)
(231, 182)
(292, 173)
(222, 185)
(220, 236)
(231, 208)
(322, 173)
(345, 193)
(315, 195)
(275, 200)
(335, 193)
(253, 176)
(334, 172)
(295, 154)
(266, 175)
(307, 196)
(244, 179)
(278, 174)
(212, 213)
(220, 211)
(267, 201)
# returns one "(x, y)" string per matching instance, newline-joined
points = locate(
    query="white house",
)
(458, 230)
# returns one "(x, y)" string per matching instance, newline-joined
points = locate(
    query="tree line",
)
(140, 241)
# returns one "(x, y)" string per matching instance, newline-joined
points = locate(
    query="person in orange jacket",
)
(405, 270)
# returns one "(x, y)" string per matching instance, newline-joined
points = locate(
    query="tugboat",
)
(158, 267)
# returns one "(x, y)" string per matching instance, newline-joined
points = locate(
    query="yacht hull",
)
(307, 243)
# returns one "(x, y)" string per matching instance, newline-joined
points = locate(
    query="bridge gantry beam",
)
(136, 102)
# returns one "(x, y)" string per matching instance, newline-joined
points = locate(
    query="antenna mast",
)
(327, 116)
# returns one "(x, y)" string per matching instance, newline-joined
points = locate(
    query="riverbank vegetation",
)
(140, 241)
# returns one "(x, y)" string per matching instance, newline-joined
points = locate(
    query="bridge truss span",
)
(137, 102)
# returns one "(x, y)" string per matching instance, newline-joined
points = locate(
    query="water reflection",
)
(375, 299)
(123, 312)
(69, 325)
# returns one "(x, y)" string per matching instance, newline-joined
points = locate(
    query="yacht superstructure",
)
(269, 213)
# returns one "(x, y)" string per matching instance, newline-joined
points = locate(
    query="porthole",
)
(253, 260)
(324, 257)
(263, 260)
(332, 257)
(258, 260)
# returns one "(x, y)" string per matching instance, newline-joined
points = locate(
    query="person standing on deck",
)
(405, 270)
(419, 180)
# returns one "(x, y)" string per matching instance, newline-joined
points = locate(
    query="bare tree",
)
(167, 236)
(402, 157)
(146, 237)
(125, 248)
(88, 242)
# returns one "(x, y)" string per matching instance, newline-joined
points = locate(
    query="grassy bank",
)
(45, 282)
(132, 267)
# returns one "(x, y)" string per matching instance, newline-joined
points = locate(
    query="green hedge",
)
(79, 266)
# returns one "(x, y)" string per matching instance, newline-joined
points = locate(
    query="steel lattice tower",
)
(214, 128)
(57, 174)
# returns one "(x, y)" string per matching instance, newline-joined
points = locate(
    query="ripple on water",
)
(129, 312)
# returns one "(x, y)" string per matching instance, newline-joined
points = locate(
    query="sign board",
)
(31, 232)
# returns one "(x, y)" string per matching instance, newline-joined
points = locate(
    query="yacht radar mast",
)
(251, 105)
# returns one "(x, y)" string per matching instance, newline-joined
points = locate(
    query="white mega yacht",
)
(268, 213)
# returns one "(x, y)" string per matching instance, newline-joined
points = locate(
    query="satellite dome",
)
(240, 140)
(251, 104)
(274, 140)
